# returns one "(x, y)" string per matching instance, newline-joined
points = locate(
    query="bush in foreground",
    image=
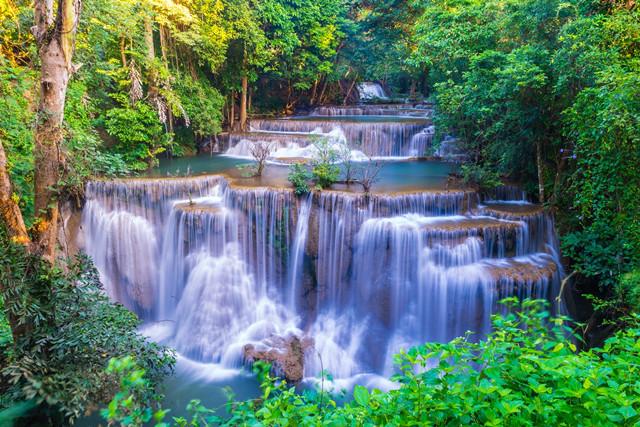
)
(526, 372)
(58, 369)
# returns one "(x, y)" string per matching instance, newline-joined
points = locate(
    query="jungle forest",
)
(319, 213)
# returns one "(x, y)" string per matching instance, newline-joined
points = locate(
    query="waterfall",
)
(375, 138)
(370, 90)
(240, 143)
(407, 110)
(297, 252)
(362, 275)
(287, 145)
(421, 143)
(354, 278)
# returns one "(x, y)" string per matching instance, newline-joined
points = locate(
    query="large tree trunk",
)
(324, 88)
(55, 39)
(412, 89)
(123, 56)
(243, 104)
(151, 55)
(314, 91)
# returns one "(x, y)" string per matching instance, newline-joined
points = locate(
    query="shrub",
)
(74, 331)
(324, 169)
(299, 176)
(325, 174)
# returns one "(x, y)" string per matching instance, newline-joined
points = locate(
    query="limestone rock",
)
(285, 354)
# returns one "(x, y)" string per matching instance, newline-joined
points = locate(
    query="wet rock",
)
(451, 149)
(285, 354)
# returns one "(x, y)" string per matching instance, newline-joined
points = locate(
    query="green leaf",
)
(627, 412)
(361, 395)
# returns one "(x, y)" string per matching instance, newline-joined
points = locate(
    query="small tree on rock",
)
(260, 151)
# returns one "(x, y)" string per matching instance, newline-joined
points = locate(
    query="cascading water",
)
(371, 90)
(384, 130)
(362, 275)
(224, 268)
(408, 110)
(289, 145)
(375, 137)
(208, 260)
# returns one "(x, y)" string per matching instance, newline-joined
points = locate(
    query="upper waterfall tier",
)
(375, 136)
(225, 266)
(410, 110)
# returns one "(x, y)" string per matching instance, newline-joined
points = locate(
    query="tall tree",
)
(54, 31)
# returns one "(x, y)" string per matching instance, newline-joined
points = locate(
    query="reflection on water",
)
(394, 176)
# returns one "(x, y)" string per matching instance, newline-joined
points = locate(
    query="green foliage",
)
(203, 105)
(6, 338)
(73, 330)
(16, 134)
(546, 93)
(527, 372)
(325, 174)
(83, 148)
(299, 176)
(324, 168)
(140, 134)
(606, 243)
(480, 175)
(132, 405)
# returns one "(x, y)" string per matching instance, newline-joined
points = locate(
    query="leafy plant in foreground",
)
(60, 365)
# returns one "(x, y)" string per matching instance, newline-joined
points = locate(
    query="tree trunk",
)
(324, 88)
(249, 101)
(55, 47)
(17, 232)
(243, 104)
(163, 43)
(412, 89)
(148, 38)
(54, 33)
(314, 91)
(232, 111)
(353, 83)
(288, 105)
(540, 172)
(123, 57)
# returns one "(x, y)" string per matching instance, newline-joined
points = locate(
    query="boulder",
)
(284, 353)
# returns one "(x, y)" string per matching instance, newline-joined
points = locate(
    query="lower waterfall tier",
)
(354, 277)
